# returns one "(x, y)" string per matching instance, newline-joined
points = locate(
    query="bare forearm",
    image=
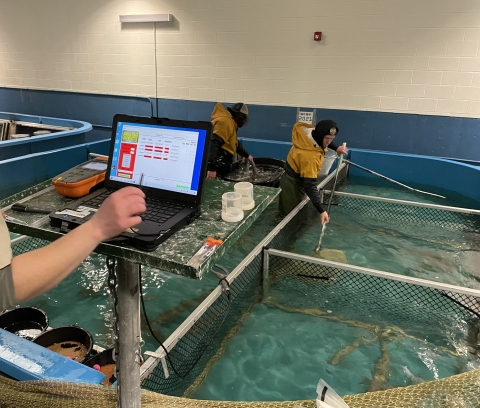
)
(38, 271)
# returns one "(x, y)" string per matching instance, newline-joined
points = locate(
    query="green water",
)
(82, 298)
(281, 351)
(280, 355)
(426, 252)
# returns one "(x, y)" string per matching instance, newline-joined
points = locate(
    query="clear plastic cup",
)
(232, 207)
(246, 190)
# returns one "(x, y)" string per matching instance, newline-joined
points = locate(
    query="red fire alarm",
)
(317, 36)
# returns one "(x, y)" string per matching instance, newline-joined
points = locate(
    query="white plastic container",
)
(327, 397)
(246, 190)
(232, 207)
(329, 159)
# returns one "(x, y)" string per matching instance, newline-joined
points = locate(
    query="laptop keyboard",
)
(98, 200)
(157, 210)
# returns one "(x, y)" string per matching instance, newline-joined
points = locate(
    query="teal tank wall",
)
(416, 170)
(75, 134)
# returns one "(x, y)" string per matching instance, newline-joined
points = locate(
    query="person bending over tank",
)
(33, 273)
(224, 143)
(303, 164)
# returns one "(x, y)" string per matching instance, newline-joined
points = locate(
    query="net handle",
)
(336, 177)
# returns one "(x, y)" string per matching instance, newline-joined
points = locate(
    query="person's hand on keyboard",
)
(118, 212)
(35, 272)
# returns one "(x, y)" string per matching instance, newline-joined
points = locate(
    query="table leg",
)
(129, 334)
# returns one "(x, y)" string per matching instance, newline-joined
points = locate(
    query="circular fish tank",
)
(267, 172)
(70, 341)
(26, 322)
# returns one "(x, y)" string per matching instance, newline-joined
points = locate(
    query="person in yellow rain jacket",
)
(224, 143)
(303, 164)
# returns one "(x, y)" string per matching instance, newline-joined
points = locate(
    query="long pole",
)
(128, 334)
(321, 237)
(336, 178)
(393, 181)
(330, 200)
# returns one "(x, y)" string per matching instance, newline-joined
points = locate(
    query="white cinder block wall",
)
(410, 56)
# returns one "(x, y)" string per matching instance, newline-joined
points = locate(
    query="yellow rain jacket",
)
(225, 127)
(305, 156)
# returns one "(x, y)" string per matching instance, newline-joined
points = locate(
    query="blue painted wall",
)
(438, 136)
(414, 170)
(98, 110)
(266, 148)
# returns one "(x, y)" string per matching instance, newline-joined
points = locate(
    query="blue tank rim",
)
(79, 126)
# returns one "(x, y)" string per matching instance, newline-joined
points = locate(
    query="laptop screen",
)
(156, 156)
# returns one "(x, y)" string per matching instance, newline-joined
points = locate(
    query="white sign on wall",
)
(306, 116)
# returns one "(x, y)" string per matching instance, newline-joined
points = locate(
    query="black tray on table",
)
(269, 172)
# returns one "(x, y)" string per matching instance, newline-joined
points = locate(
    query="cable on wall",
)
(149, 18)
(156, 67)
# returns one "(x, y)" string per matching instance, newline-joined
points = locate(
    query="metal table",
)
(172, 255)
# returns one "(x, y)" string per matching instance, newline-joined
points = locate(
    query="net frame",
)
(157, 365)
(407, 211)
(467, 298)
(276, 239)
(246, 274)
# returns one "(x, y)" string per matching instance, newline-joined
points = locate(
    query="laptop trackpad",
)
(150, 228)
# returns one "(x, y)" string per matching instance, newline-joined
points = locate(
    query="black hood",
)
(323, 128)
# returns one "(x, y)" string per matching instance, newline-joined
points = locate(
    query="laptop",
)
(167, 159)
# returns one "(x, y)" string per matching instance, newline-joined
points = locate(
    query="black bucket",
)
(269, 172)
(26, 322)
(104, 360)
(69, 341)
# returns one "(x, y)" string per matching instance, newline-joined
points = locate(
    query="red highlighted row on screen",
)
(156, 148)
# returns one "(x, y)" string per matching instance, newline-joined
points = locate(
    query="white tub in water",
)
(330, 157)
